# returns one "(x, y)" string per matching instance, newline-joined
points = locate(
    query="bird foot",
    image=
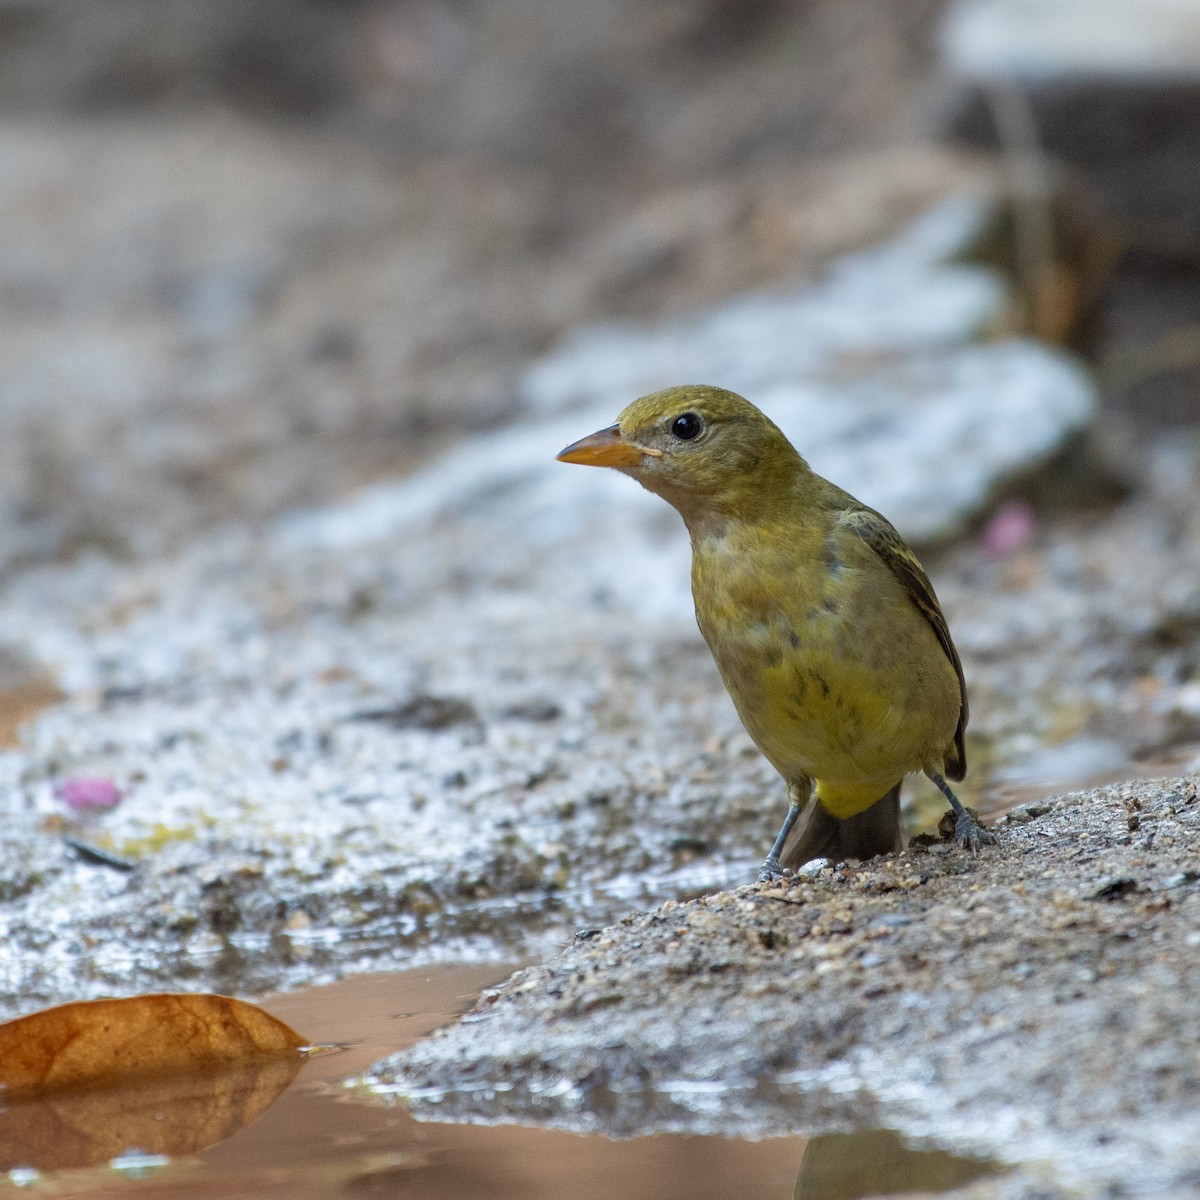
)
(970, 834)
(770, 871)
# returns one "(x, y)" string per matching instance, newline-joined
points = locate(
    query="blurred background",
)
(252, 255)
(255, 256)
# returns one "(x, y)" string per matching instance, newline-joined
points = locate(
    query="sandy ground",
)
(1028, 1003)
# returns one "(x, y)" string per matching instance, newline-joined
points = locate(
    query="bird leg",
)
(771, 870)
(968, 831)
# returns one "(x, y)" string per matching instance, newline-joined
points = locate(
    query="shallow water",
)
(321, 1139)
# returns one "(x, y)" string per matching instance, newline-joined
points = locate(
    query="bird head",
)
(705, 450)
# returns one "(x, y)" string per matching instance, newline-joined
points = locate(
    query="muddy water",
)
(321, 1139)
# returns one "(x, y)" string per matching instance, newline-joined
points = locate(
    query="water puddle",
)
(320, 1139)
(878, 1162)
(1028, 786)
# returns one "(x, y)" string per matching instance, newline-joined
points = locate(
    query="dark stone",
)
(429, 713)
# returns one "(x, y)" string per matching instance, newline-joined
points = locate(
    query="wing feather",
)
(879, 533)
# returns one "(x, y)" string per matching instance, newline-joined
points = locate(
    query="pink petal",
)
(1009, 530)
(86, 793)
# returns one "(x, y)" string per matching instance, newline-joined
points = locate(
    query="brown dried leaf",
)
(105, 1043)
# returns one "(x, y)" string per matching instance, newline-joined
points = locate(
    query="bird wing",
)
(879, 533)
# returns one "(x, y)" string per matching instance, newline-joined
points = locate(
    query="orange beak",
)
(606, 448)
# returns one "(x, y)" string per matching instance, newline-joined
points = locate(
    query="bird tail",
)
(819, 834)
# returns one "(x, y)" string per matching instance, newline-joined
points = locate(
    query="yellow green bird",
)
(823, 624)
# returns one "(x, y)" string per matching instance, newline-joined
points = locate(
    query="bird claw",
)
(770, 871)
(971, 835)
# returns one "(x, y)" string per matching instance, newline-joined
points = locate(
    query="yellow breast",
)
(835, 673)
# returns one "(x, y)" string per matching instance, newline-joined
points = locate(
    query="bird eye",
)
(687, 427)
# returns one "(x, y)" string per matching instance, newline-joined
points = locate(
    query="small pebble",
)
(814, 868)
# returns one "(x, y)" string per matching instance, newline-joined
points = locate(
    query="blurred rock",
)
(292, 54)
(1112, 90)
(882, 374)
(141, 263)
(904, 298)
(583, 87)
(256, 256)
(207, 319)
(1037, 41)
(1070, 762)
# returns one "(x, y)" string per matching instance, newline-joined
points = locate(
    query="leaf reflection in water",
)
(174, 1115)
